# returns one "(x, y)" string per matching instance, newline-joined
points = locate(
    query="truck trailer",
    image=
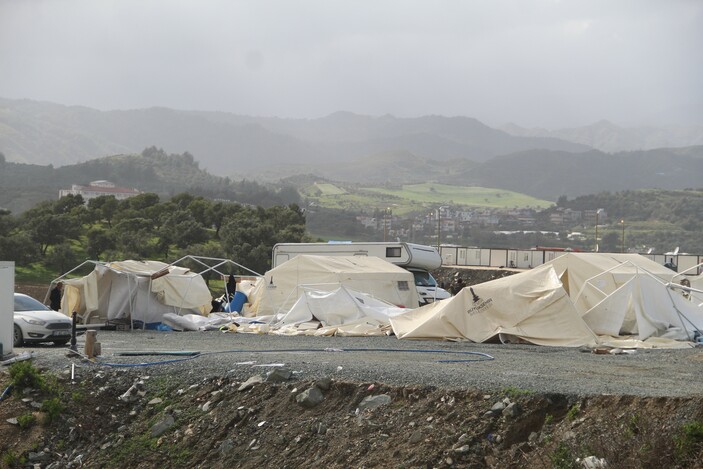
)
(415, 258)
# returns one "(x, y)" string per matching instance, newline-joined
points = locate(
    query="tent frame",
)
(217, 264)
(669, 286)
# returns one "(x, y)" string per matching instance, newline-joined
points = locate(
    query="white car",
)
(36, 322)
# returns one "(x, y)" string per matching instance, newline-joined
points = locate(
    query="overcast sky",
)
(544, 63)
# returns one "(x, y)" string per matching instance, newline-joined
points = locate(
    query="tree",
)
(133, 236)
(20, 248)
(180, 228)
(99, 241)
(103, 208)
(249, 236)
(200, 211)
(62, 258)
(140, 202)
(69, 203)
(220, 213)
(47, 227)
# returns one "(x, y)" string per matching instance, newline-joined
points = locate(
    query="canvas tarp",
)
(136, 290)
(281, 287)
(627, 294)
(532, 306)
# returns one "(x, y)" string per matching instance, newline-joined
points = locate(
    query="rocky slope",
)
(119, 419)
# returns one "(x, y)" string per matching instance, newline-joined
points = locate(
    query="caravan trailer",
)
(416, 258)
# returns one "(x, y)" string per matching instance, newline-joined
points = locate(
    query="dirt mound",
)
(222, 422)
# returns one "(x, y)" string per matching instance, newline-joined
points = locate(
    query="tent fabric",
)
(196, 322)
(282, 286)
(339, 312)
(627, 294)
(136, 290)
(532, 306)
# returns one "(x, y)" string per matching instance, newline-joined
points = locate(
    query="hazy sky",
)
(533, 62)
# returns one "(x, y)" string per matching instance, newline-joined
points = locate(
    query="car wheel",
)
(60, 342)
(18, 336)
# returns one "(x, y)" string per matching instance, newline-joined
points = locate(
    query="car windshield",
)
(424, 279)
(27, 303)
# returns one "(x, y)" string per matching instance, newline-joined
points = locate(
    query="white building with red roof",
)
(98, 188)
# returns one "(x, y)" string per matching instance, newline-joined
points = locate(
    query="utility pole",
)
(439, 229)
(622, 224)
(597, 213)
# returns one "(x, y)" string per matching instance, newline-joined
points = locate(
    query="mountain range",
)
(233, 145)
(362, 149)
(608, 137)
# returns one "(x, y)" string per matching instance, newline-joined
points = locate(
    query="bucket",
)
(237, 302)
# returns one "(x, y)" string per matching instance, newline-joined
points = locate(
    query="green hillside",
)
(413, 198)
(432, 193)
(22, 186)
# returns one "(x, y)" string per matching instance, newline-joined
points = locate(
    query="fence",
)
(470, 256)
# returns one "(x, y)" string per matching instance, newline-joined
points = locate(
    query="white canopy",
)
(281, 287)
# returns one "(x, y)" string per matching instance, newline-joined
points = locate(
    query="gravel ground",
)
(451, 365)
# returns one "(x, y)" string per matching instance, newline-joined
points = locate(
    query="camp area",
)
(138, 293)
(575, 300)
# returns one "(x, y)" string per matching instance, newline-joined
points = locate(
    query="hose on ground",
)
(481, 356)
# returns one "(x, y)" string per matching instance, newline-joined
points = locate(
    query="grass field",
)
(415, 197)
(329, 189)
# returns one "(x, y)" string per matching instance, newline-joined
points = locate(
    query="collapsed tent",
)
(342, 311)
(531, 306)
(338, 312)
(135, 290)
(628, 294)
(281, 287)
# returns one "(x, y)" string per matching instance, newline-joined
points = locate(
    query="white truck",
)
(416, 258)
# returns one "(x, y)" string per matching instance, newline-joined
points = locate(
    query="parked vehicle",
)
(35, 322)
(416, 258)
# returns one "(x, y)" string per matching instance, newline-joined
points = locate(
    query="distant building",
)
(367, 222)
(589, 216)
(98, 188)
(566, 215)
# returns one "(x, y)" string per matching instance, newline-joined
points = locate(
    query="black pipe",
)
(73, 332)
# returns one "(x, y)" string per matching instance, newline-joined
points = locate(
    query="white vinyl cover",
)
(125, 290)
(338, 307)
(627, 294)
(531, 305)
(281, 287)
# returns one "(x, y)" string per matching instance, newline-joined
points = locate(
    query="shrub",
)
(24, 375)
(10, 459)
(53, 408)
(688, 441)
(573, 412)
(26, 420)
(562, 457)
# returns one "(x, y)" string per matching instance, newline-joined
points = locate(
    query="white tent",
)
(628, 294)
(135, 290)
(531, 306)
(281, 287)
